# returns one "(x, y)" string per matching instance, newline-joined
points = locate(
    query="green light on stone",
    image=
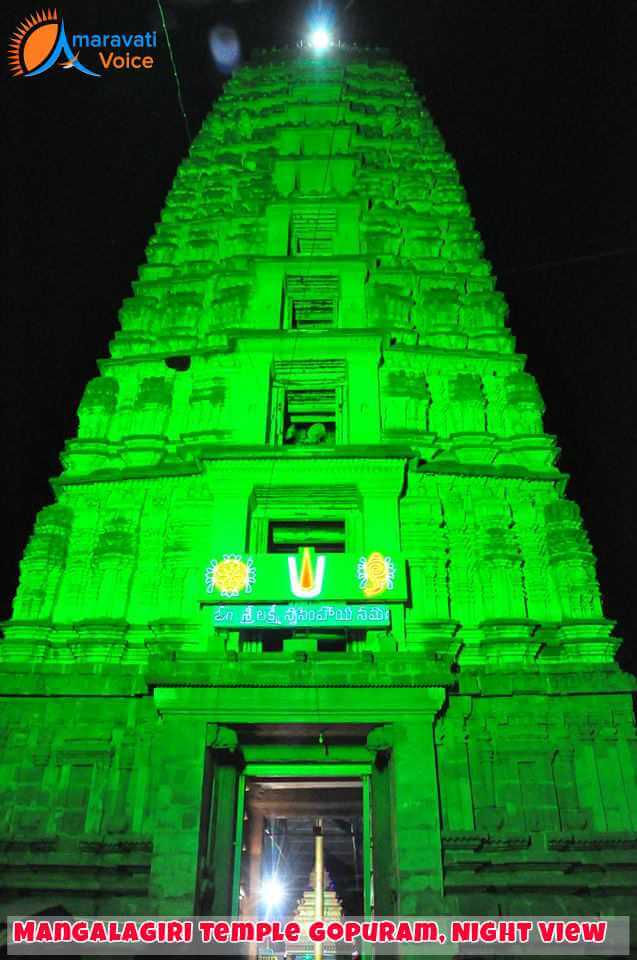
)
(314, 365)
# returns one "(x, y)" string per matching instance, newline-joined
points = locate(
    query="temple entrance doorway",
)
(304, 836)
(296, 824)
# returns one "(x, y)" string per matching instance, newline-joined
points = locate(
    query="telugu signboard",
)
(303, 616)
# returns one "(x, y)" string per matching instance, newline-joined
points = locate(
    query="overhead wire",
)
(618, 252)
(180, 99)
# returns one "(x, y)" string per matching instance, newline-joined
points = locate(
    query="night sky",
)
(535, 101)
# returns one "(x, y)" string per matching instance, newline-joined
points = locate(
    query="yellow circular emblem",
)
(230, 576)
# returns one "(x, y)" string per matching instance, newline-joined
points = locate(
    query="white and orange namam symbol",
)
(231, 576)
(376, 574)
(308, 583)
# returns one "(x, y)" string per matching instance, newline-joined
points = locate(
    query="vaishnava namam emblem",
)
(376, 574)
(231, 576)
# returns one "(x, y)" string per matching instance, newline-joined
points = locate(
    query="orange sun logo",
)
(33, 41)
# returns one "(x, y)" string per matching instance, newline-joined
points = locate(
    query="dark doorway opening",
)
(281, 817)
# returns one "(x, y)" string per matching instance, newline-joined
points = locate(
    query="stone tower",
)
(311, 517)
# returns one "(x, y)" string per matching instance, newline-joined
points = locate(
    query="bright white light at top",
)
(272, 892)
(320, 39)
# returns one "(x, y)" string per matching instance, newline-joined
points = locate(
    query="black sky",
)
(535, 101)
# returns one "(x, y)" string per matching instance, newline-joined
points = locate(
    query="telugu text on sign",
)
(291, 616)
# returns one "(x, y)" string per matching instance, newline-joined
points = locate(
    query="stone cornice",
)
(201, 454)
(236, 705)
(308, 671)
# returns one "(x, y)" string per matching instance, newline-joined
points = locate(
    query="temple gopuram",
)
(310, 556)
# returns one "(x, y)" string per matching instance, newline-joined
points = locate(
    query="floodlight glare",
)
(272, 892)
(320, 39)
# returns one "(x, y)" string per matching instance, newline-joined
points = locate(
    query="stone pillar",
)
(467, 410)
(152, 406)
(380, 489)
(416, 817)
(405, 816)
(218, 852)
(425, 541)
(524, 408)
(384, 866)
(255, 852)
(178, 753)
(571, 561)
(97, 407)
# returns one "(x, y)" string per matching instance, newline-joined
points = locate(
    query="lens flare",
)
(272, 892)
(320, 38)
(225, 48)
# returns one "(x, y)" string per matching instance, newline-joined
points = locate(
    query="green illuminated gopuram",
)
(311, 556)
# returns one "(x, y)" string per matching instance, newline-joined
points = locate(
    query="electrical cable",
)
(560, 263)
(175, 73)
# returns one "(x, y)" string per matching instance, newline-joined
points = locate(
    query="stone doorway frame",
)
(197, 725)
(353, 769)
